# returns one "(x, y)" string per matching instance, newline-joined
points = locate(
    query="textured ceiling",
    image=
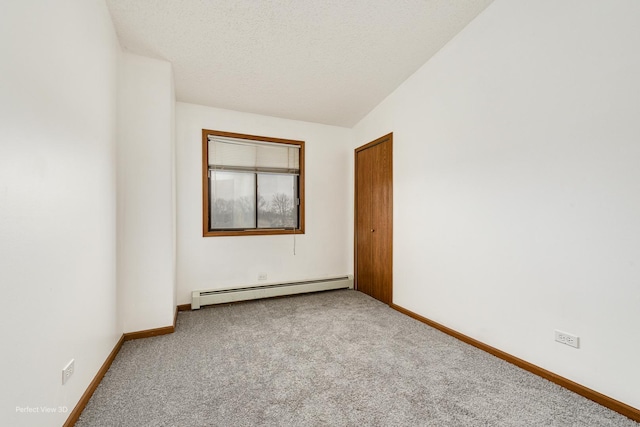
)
(323, 61)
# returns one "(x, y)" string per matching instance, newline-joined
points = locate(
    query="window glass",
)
(233, 200)
(277, 201)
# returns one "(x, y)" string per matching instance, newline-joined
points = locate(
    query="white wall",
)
(57, 203)
(516, 183)
(146, 238)
(216, 262)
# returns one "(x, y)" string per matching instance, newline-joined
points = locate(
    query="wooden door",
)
(374, 218)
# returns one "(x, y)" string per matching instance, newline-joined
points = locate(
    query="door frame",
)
(386, 138)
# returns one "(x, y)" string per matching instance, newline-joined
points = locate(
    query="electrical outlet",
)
(262, 276)
(568, 339)
(68, 371)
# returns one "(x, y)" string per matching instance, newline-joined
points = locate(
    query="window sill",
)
(262, 232)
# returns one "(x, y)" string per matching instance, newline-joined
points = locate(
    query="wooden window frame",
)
(206, 232)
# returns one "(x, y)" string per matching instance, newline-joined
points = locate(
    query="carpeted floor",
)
(335, 358)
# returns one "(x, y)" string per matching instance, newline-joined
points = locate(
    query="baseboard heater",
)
(221, 296)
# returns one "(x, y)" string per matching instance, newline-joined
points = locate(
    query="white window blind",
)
(231, 154)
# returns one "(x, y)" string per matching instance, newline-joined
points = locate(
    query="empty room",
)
(241, 212)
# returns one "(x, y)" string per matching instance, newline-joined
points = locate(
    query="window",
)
(251, 184)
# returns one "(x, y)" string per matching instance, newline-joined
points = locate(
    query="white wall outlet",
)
(262, 276)
(568, 339)
(67, 371)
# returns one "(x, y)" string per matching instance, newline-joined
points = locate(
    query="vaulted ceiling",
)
(323, 61)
